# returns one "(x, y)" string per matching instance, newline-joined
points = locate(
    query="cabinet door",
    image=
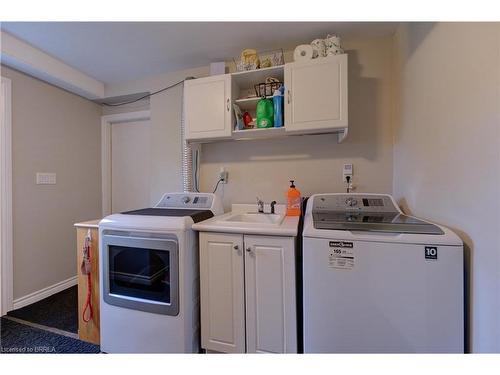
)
(316, 95)
(271, 312)
(207, 107)
(222, 292)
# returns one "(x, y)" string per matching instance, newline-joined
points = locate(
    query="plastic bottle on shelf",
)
(265, 113)
(278, 109)
(293, 200)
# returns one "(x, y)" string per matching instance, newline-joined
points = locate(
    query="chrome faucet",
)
(260, 205)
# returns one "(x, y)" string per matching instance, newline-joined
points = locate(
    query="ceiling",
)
(114, 52)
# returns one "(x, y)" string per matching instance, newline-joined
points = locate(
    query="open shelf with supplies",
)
(247, 96)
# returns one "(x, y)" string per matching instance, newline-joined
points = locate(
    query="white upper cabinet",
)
(316, 95)
(207, 108)
(315, 101)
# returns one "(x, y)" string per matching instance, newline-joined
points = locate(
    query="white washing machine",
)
(378, 281)
(149, 292)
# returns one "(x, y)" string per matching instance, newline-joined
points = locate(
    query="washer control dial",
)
(186, 199)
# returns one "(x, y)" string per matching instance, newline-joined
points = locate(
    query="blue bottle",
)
(278, 109)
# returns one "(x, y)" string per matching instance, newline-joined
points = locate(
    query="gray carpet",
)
(21, 338)
(47, 326)
(59, 311)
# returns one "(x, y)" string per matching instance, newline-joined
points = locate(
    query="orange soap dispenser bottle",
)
(292, 201)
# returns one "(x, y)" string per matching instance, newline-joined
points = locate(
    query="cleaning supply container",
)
(293, 200)
(265, 111)
(278, 108)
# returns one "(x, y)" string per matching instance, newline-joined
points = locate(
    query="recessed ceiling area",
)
(114, 52)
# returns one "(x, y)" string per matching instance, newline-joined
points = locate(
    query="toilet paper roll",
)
(303, 52)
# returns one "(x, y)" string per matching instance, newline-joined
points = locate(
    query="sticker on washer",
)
(341, 244)
(341, 255)
(431, 252)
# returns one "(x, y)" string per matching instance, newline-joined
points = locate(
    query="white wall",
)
(52, 131)
(264, 167)
(446, 151)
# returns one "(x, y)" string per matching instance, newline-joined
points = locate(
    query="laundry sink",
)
(255, 218)
(244, 219)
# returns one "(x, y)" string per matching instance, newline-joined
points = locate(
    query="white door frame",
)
(6, 263)
(106, 122)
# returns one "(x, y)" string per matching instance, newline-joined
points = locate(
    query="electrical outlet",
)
(347, 171)
(223, 175)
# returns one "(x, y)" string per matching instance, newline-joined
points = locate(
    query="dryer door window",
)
(141, 273)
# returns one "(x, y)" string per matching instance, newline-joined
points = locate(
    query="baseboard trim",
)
(42, 327)
(44, 293)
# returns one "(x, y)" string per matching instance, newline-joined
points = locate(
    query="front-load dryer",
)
(149, 279)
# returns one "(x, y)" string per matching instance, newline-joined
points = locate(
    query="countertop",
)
(288, 226)
(88, 224)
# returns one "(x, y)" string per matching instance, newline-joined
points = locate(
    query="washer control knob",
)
(186, 199)
(351, 202)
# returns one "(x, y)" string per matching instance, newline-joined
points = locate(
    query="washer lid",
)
(373, 222)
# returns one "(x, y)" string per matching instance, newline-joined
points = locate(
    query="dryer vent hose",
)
(187, 153)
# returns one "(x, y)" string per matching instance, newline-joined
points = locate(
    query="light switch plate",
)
(45, 178)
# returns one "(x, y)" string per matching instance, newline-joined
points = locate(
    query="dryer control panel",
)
(186, 200)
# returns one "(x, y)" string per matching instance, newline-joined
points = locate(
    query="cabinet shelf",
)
(249, 78)
(256, 133)
(250, 103)
(251, 99)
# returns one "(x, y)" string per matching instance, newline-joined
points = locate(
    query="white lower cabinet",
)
(271, 323)
(248, 295)
(222, 292)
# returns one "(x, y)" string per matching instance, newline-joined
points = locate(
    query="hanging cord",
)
(195, 175)
(216, 186)
(147, 95)
(86, 269)
(187, 153)
(196, 163)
